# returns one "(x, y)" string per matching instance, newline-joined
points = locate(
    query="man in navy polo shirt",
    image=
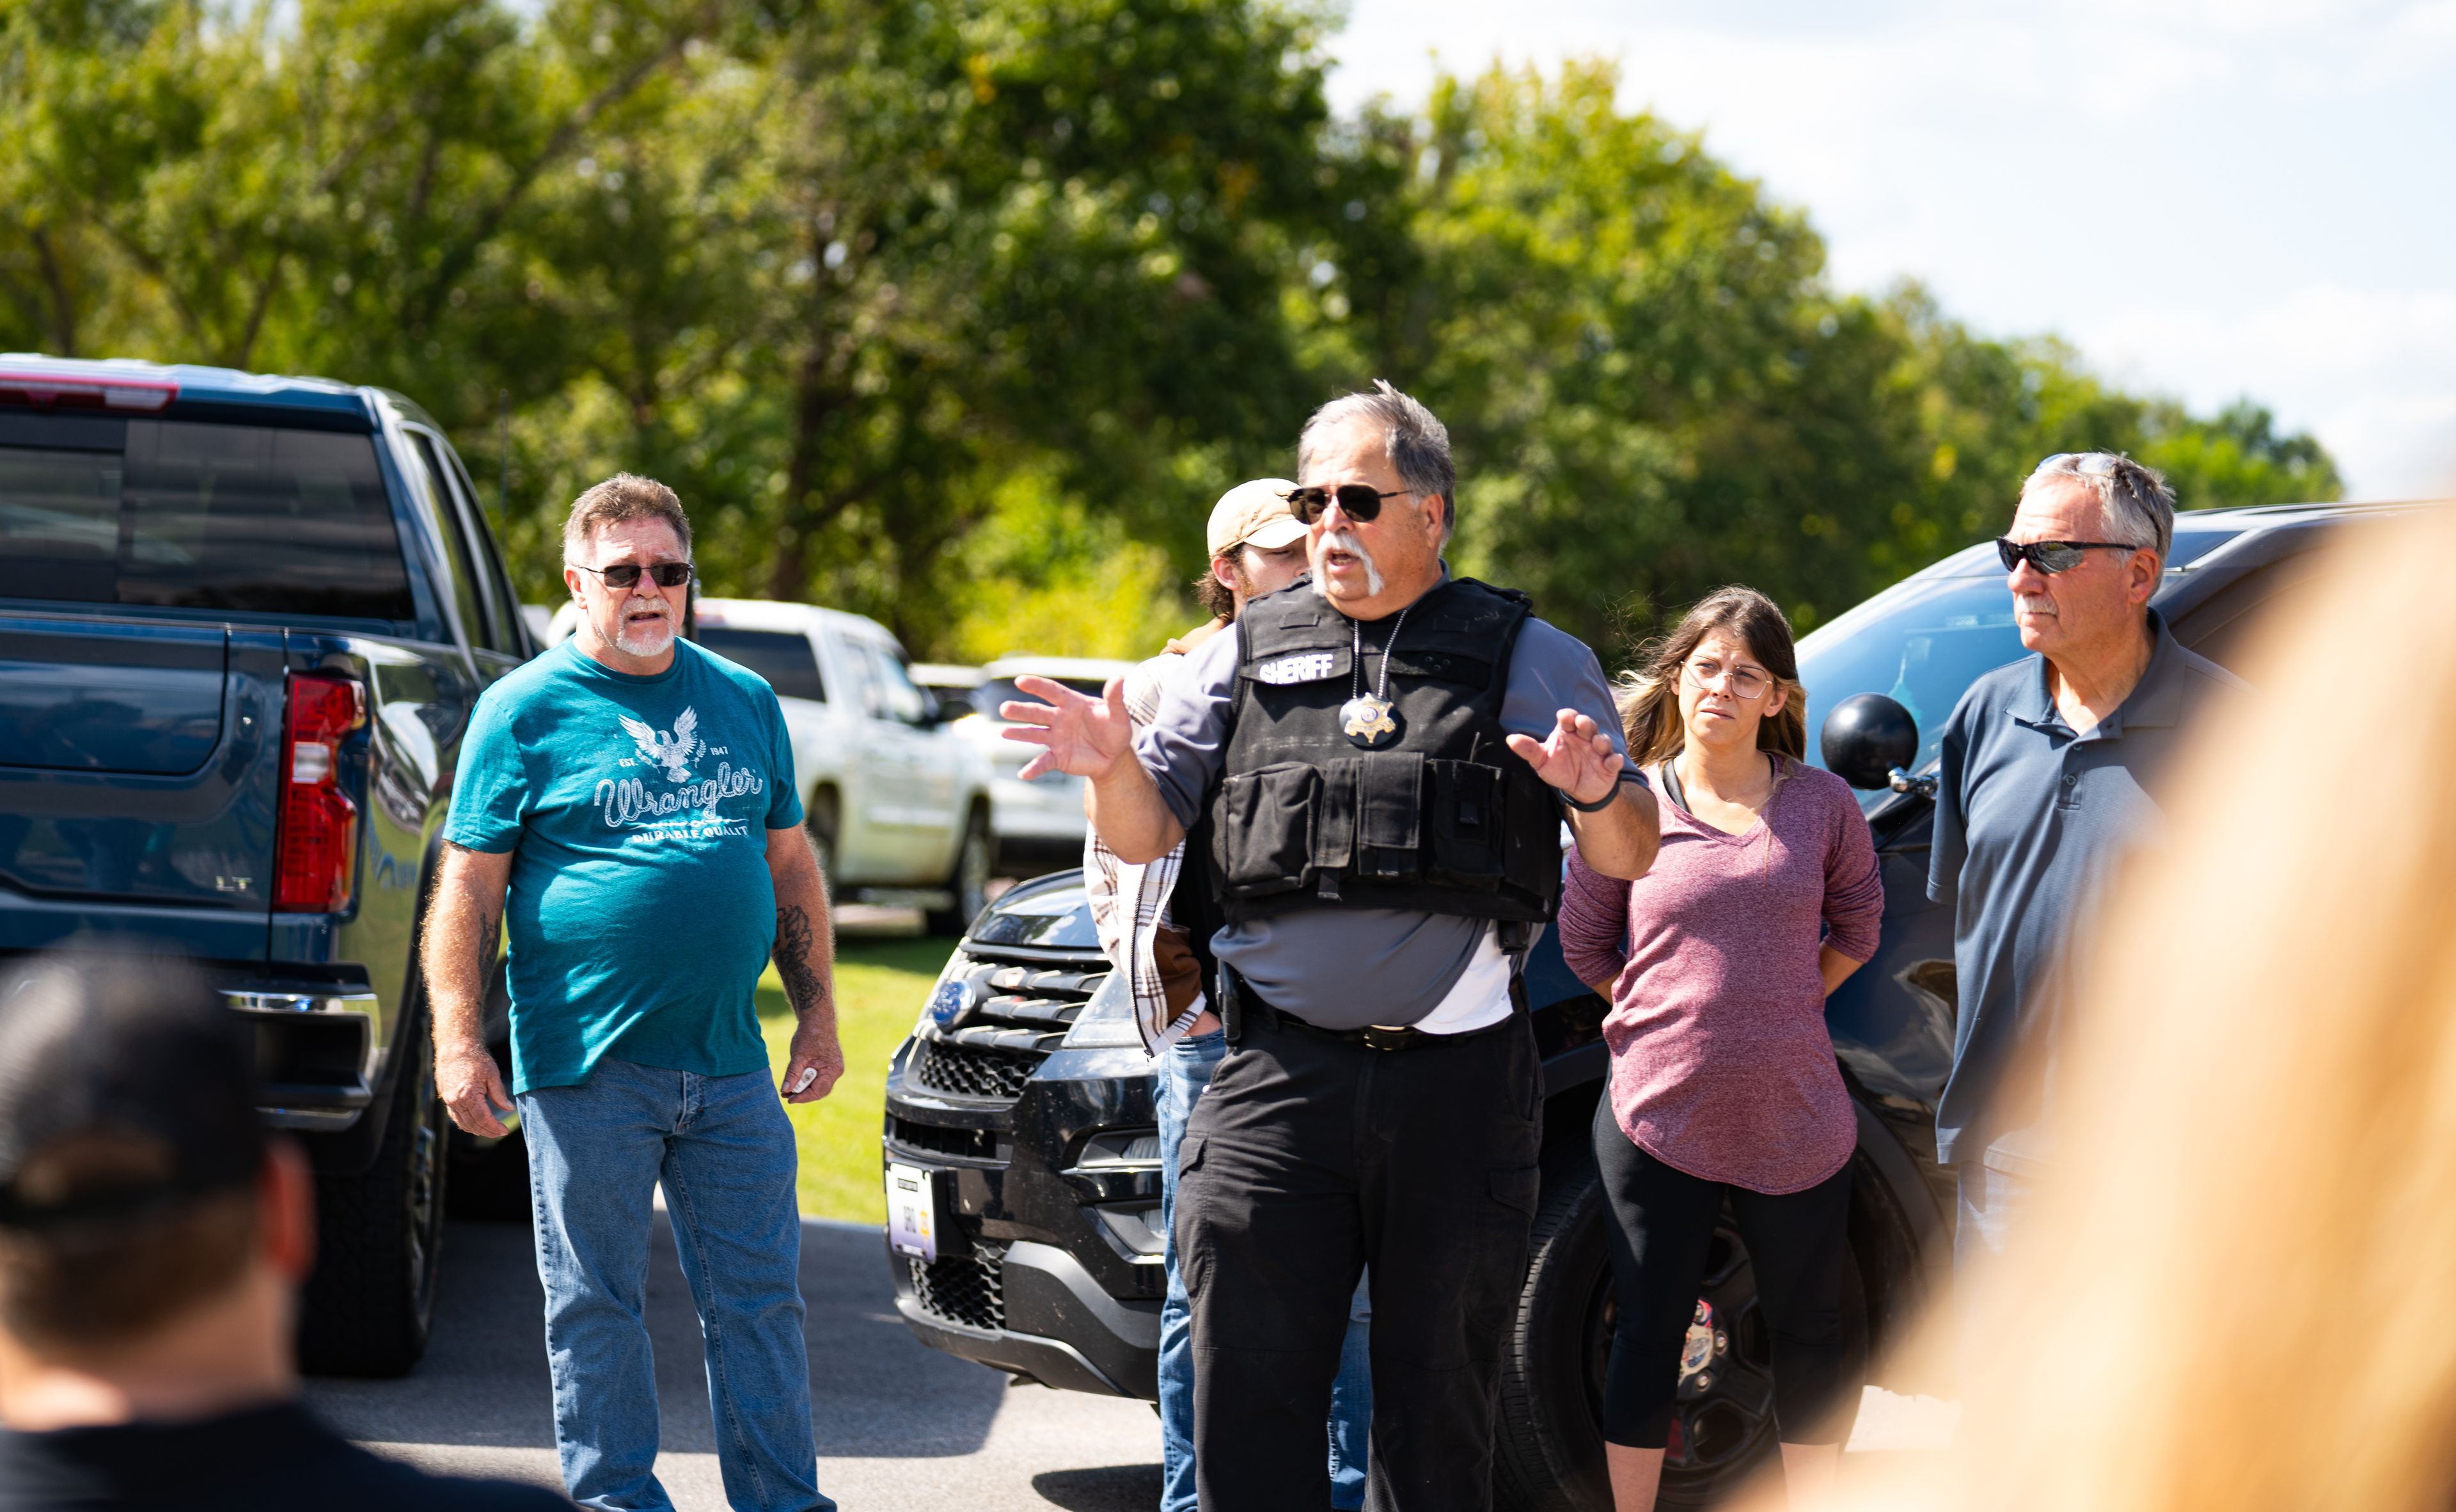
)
(2047, 781)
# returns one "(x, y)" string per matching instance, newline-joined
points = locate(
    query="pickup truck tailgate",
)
(137, 764)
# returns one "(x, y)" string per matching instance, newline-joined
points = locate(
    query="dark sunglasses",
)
(1356, 500)
(2052, 556)
(626, 573)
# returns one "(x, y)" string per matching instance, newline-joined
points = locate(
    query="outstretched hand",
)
(1577, 758)
(1082, 736)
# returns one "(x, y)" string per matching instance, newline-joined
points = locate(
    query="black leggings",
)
(1662, 1228)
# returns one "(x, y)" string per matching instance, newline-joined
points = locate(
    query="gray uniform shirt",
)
(1346, 968)
(2031, 823)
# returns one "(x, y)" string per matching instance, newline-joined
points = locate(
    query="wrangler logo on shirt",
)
(1305, 666)
(627, 803)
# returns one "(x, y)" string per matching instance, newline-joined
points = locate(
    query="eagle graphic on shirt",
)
(667, 750)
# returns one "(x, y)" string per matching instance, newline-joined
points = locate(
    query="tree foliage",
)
(961, 312)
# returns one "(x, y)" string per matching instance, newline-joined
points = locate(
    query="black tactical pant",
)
(1309, 1158)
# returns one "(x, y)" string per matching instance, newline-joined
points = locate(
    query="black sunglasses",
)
(1357, 502)
(626, 573)
(2052, 556)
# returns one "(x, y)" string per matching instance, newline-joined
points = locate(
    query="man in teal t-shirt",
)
(626, 806)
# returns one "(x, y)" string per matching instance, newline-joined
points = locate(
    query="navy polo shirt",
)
(2031, 823)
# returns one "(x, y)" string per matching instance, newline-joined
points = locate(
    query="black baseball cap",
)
(126, 1091)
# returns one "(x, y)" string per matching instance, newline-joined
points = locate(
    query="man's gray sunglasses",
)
(626, 573)
(2052, 556)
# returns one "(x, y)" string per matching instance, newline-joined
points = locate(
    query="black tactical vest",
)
(1448, 820)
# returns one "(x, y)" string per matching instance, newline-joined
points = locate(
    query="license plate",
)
(913, 1211)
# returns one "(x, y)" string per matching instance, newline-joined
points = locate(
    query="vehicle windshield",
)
(1924, 640)
(986, 697)
(1920, 643)
(782, 657)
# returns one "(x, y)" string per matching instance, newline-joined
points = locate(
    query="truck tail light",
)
(316, 848)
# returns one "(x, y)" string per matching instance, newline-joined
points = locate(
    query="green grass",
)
(880, 984)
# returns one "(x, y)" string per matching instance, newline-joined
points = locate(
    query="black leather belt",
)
(1376, 1036)
(1236, 997)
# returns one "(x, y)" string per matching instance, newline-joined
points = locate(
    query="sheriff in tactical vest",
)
(1405, 796)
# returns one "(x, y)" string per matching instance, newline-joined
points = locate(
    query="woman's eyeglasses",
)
(1356, 500)
(1740, 682)
(626, 573)
(2052, 556)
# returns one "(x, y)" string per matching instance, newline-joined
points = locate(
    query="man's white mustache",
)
(2034, 604)
(1345, 541)
(646, 639)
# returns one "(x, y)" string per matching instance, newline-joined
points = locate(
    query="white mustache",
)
(646, 640)
(1345, 541)
(2034, 604)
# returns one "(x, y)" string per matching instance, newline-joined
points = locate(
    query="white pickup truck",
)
(1040, 824)
(898, 804)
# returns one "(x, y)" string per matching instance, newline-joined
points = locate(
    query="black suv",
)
(1020, 1111)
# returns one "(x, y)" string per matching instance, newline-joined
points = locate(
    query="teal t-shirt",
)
(637, 811)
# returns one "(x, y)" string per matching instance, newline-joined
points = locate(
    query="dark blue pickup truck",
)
(244, 624)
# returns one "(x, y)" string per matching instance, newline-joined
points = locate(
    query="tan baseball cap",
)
(1254, 514)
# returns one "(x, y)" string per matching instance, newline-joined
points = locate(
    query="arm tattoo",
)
(802, 985)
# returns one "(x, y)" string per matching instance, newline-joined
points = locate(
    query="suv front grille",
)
(966, 1144)
(996, 1022)
(973, 1070)
(965, 1289)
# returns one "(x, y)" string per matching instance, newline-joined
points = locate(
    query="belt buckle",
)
(1379, 1038)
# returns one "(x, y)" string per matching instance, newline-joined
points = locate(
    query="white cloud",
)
(2260, 184)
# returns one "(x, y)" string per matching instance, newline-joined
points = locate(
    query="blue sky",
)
(2209, 197)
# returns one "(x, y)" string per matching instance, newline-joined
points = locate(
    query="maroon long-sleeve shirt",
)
(1721, 1066)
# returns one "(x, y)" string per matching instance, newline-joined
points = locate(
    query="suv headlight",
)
(951, 997)
(1107, 1021)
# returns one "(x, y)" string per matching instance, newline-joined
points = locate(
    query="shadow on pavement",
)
(875, 1391)
(1111, 1488)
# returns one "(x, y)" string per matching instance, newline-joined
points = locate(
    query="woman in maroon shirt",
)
(1717, 963)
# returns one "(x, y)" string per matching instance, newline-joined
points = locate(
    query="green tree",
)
(960, 313)
(2237, 458)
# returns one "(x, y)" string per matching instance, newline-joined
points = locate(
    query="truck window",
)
(986, 697)
(490, 555)
(900, 699)
(784, 657)
(180, 515)
(465, 573)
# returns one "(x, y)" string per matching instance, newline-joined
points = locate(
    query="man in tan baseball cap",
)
(1256, 547)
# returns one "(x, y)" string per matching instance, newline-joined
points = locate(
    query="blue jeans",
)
(725, 1153)
(1184, 1072)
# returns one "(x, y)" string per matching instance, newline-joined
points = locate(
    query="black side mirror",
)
(1867, 738)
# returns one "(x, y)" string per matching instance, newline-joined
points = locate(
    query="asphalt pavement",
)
(901, 1427)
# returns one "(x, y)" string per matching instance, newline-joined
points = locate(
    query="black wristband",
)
(1595, 807)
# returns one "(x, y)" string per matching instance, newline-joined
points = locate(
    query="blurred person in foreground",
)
(625, 808)
(2050, 774)
(2237, 1291)
(1155, 921)
(1763, 898)
(152, 1239)
(1386, 754)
